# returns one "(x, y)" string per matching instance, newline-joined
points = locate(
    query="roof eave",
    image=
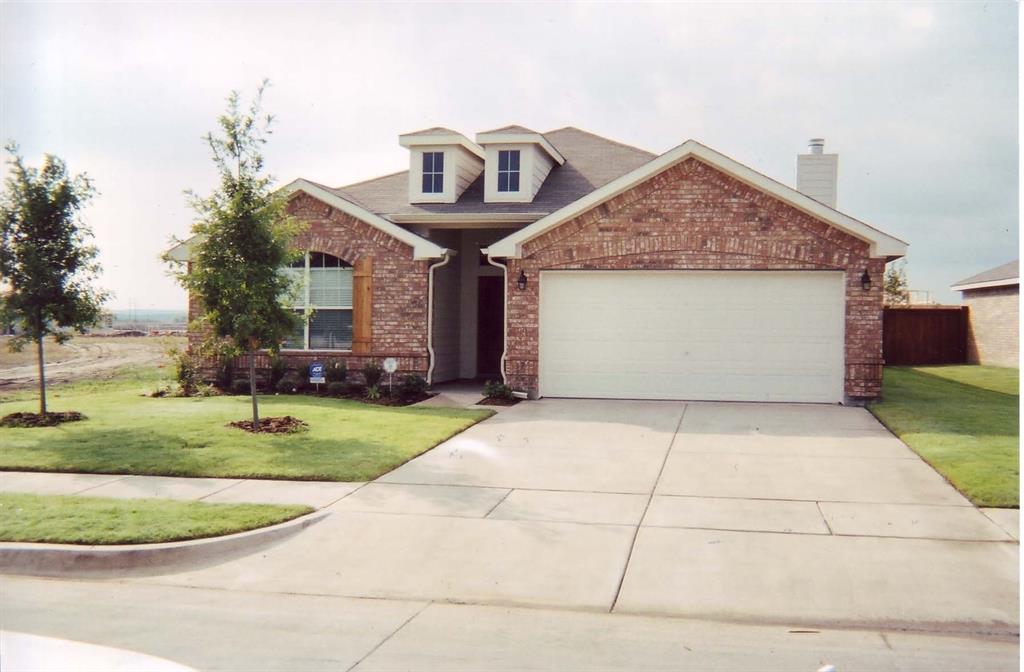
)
(1003, 282)
(880, 244)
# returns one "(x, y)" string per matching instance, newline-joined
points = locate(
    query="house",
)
(571, 265)
(993, 299)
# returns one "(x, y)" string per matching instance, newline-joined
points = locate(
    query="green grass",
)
(963, 420)
(128, 433)
(100, 520)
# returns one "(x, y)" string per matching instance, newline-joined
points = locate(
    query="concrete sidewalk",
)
(248, 630)
(317, 494)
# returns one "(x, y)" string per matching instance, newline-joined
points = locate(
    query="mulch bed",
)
(36, 420)
(498, 401)
(283, 425)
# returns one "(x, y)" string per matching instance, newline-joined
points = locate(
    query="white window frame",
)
(508, 172)
(304, 307)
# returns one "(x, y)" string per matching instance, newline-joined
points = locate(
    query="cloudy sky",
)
(919, 100)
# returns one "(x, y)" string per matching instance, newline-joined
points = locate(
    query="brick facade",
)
(694, 217)
(993, 327)
(399, 322)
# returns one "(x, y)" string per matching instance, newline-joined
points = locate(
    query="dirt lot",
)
(82, 357)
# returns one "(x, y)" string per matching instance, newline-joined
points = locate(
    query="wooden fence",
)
(914, 335)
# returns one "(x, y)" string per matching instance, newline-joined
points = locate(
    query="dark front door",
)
(490, 314)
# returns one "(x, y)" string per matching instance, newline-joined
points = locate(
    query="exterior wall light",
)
(865, 281)
(521, 281)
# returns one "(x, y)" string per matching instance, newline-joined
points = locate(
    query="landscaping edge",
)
(57, 560)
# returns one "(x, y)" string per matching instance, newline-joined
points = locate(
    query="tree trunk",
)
(252, 391)
(42, 376)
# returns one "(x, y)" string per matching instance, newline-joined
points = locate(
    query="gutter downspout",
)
(448, 254)
(504, 323)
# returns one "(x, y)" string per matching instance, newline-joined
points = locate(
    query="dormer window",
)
(508, 170)
(433, 172)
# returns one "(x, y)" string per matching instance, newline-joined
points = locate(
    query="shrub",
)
(336, 388)
(412, 385)
(284, 386)
(373, 392)
(204, 390)
(335, 372)
(186, 370)
(278, 369)
(225, 373)
(240, 387)
(496, 390)
(372, 373)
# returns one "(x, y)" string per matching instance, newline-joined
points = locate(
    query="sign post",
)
(316, 374)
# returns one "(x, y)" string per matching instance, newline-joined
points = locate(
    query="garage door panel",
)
(692, 335)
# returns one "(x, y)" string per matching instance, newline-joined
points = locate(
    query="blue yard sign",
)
(316, 373)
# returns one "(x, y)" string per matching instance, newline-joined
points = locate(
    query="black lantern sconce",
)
(521, 281)
(865, 281)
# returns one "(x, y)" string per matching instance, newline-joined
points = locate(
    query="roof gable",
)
(881, 244)
(1007, 274)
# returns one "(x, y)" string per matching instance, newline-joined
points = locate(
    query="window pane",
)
(428, 162)
(428, 181)
(513, 158)
(502, 159)
(502, 181)
(293, 295)
(330, 287)
(438, 184)
(330, 330)
(438, 162)
(296, 341)
(513, 181)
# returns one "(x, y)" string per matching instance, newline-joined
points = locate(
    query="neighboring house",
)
(993, 299)
(571, 265)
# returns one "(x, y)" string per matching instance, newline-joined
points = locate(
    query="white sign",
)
(390, 365)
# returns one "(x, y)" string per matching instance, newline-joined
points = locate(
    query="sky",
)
(920, 101)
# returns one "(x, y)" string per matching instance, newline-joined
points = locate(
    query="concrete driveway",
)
(797, 514)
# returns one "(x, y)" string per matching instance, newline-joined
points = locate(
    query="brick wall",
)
(693, 217)
(993, 329)
(399, 290)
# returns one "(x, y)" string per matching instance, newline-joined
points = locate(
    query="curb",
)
(62, 560)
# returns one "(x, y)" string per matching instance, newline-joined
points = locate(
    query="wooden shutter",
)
(362, 306)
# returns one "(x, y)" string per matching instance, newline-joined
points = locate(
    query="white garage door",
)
(730, 336)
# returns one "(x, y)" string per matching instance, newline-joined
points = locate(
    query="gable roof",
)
(1000, 276)
(590, 162)
(881, 244)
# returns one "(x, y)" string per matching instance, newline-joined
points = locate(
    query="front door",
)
(490, 315)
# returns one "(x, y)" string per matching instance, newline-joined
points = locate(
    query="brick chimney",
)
(817, 173)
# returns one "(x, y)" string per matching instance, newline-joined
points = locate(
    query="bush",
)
(284, 386)
(496, 390)
(373, 392)
(240, 387)
(186, 370)
(372, 373)
(278, 369)
(335, 372)
(412, 385)
(337, 388)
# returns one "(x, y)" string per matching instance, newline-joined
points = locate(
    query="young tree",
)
(243, 238)
(47, 263)
(895, 285)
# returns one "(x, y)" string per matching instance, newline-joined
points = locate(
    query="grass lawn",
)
(128, 433)
(963, 420)
(101, 520)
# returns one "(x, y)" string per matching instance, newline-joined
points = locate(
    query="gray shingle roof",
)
(434, 130)
(1008, 271)
(511, 128)
(590, 162)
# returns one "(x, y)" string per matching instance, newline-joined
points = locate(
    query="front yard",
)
(128, 433)
(964, 421)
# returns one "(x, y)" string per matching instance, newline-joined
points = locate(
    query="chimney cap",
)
(816, 145)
